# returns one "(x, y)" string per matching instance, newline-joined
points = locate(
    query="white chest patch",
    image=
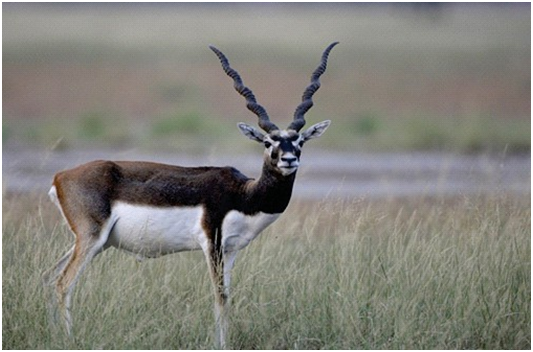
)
(151, 231)
(238, 229)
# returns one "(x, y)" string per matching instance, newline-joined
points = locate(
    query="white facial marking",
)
(284, 134)
(287, 168)
(285, 171)
(296, 143)
(153, 231)
(238, 229)
(272, 142)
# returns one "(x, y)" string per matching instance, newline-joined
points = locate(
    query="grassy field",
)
(455, 79)
(441, 273)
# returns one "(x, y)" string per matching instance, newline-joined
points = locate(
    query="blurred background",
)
(410, 82)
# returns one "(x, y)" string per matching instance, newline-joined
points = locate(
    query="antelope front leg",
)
(222, 310)
(220, 266)
(216, 268)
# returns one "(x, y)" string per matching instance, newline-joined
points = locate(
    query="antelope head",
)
(282, 146)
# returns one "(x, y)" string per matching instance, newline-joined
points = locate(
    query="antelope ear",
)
(316, 130)
(251, 132)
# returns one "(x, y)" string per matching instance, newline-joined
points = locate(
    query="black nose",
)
(288, 159)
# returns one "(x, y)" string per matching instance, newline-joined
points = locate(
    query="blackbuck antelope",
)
(152, 209)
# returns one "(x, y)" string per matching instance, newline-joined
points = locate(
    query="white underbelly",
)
(238, 229)
(153, 231)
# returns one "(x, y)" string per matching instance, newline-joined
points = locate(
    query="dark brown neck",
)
(270, 193)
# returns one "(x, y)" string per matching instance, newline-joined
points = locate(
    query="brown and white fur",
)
(152, 209)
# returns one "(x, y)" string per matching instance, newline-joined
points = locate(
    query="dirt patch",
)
(322, 174)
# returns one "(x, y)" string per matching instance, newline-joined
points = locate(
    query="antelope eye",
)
(267, 144)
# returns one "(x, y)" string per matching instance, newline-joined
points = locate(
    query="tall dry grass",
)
(404, 274)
